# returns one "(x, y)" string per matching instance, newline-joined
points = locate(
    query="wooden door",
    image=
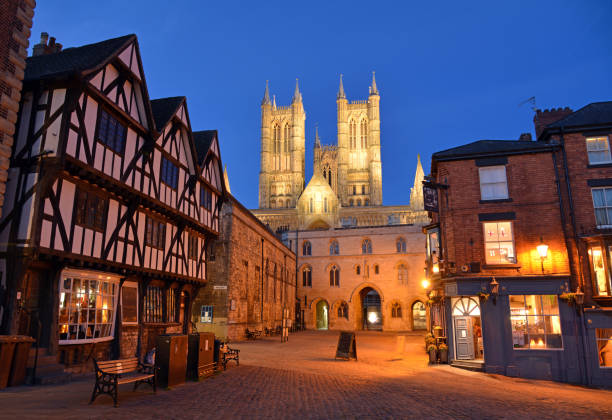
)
(464, 340)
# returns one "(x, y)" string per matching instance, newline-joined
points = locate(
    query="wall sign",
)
(430, 198)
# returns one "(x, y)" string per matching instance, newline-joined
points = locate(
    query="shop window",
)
(493, 183)
(499, 243)
(206, 314)
(366, 246)
(602, 203)
(87, 307)
(535, 322)
(599, 271)
(400, 245)
(129, 303)
(306, 277)
(90, 210)
(334, 248)
(306, 248)
(343, 310)
(334, 276)
(598, 149)
(111, 133)
(603, 337)
(155, 235)
(396, 310)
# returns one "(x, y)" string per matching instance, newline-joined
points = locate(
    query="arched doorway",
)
(322, 315)
(467, 328)
(371, 309)
(419, 316)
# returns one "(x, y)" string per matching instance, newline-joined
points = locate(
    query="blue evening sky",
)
(448, 72)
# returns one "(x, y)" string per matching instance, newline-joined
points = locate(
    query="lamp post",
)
(543, 252)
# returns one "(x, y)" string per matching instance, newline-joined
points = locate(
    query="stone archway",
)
(322, 315)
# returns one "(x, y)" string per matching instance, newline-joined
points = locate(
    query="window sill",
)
(496, 200)
(599, 165)
(85, 341)
(498, 266)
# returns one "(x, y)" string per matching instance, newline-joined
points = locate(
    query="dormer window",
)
(598, 149)
(493, 182)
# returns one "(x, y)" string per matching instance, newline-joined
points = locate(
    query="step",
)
(473, 365)
(54, 379)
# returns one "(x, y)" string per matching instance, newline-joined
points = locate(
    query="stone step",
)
(473, 365)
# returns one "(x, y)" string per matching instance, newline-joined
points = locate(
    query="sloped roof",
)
(164, 109)
(74, 60)
(489, 147)
(596, 113)
(203, 139)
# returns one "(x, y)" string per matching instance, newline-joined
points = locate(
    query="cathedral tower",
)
(359, 164)
(283, 141)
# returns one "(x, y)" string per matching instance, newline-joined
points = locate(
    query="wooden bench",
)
(111, 373)
(229, 354)
(252, 334)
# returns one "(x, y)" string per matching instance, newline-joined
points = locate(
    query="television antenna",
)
(531, 101)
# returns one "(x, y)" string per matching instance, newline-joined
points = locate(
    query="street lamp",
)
(579, 296)
(425, 283)
(543, 252)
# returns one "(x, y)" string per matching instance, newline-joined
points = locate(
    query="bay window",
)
(599, 271)
(87, 305)
(535, 322)
(598, 150)
(499, 243)
(493, 183)
(602, 203)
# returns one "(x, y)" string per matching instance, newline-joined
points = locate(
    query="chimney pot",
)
(44, 36)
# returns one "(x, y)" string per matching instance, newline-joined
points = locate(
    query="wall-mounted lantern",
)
(542, 252)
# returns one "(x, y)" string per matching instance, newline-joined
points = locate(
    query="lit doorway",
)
(322, 315)
(419, 316)
(467, 329)
(371, 309)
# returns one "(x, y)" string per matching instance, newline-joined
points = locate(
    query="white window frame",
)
(605, 207)
(88, 275)
(484, 232)
(130, 285)
(595, 150)
(482, 171)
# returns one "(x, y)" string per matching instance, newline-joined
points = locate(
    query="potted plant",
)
(433, 354)
(428, 342)
(428, 338)
(443, 350)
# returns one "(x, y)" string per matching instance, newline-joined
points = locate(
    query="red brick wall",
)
(15, 23)
(532, 189)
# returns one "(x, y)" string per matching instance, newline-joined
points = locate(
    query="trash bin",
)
(216, 351)
(20, 359)
(7, 349)
(200, 358)
(171, 359)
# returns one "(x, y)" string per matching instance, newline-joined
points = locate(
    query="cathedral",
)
(346, 186)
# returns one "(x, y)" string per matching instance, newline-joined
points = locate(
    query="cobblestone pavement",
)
(300, 379)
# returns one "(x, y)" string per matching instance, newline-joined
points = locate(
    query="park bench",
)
(252, 334)
(228, 354)
(111, 373)
(269, 331)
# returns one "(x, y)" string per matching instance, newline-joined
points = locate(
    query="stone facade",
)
(241, 293)
(394, 271)
(14, 35)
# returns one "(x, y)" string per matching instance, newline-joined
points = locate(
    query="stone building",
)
(251, 277)
(361, 278)
(14, 35)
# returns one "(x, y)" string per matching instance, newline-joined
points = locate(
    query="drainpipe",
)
(262, 282)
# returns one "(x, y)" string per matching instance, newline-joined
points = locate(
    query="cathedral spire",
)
(373, 89)
(266, 98)
(416, 193)
(297, 96)
(341, 94)
(317, 139)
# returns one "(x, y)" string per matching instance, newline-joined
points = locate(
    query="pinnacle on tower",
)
(373, 89)
(274, 102)
(317, 139)
(297, 96)
(266, 98)
(341, 94)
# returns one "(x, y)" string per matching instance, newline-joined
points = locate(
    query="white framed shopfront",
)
(87, 306)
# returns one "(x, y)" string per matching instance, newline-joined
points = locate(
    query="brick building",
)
(15, 23)
(585, 168)
(251, 278)
(497, 260)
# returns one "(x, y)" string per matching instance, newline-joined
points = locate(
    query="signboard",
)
(219, 287)
(347, 347)
(430, 198)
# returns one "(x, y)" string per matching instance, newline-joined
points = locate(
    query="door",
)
(464, 340)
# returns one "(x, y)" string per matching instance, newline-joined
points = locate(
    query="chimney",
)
(43, 48)
(525, 137)
(548, 116)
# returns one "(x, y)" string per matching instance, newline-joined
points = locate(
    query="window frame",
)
(306, 248)
(599, 351)
(606, 251)
(366, 246)
(334, 276)
(343, 310)
(483, 170)
(400, 245)
(210, 317)
(169, 169)
(105, 142)
(156, 234)
(306, 276)
(527, 317)
(334, 247)
(192, 246)
(484, 233)
(605, 207)
(396, 310)
(130, 285)
(595, 138)
(82, 209)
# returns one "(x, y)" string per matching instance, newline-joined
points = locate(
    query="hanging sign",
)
(430, 198)
(347, 347)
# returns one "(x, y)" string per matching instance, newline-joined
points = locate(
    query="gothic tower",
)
(359, 164)
(283, 141)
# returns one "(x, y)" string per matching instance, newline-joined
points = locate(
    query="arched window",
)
(306, 248)
(364, 133)
(351, 203)
(343, 310)
(307, 277)
(359, 202)
(400, 245)
(276, 133)
(329, 178)
(363, 189)
(402, 274)
(366, 202)
(419, 316)
(376, 269)
(396, 310)
(366, 246)
(358, 269)
(353, 134)
(334, 248)
(334, 276)
(286, 142)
